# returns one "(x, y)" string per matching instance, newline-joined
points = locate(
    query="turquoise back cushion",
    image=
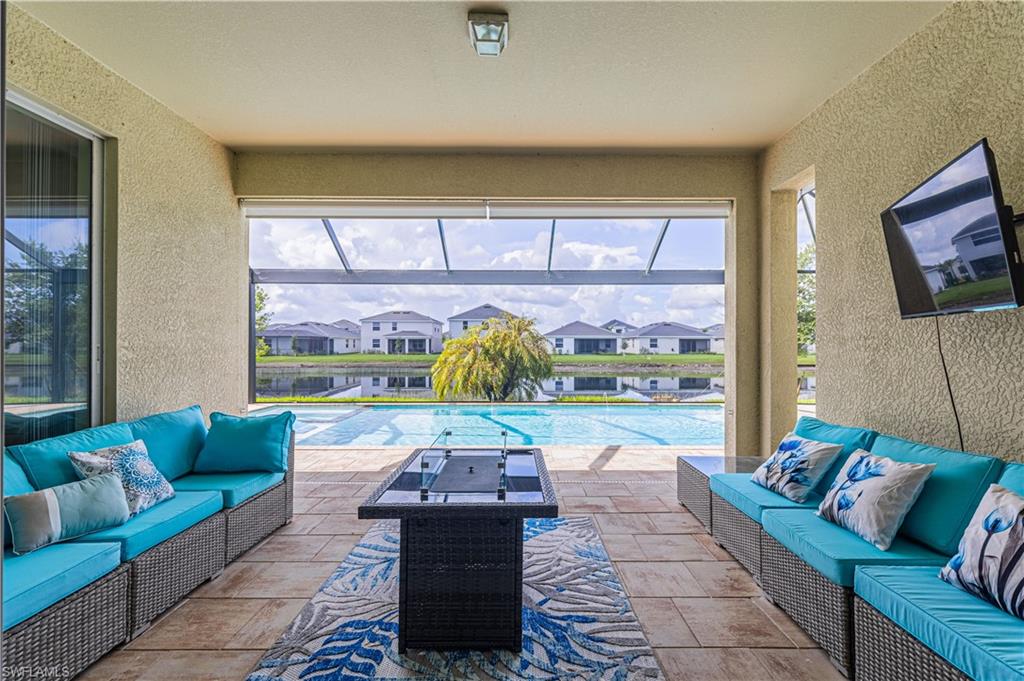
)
(1012, 478)
(950, 495)
(46, 462)
(236, 444)
(852, 439)
(173, 439)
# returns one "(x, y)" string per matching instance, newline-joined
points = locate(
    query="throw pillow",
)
(796, 466)
(238, 444)
(872, 495)
(144, 486)
(64, 512)
(990, 561)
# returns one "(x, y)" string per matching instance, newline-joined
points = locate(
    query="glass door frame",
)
(96, 228)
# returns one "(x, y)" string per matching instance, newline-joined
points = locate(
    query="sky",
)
(495, 244)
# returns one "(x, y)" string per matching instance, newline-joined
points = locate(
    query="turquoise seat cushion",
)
(974, 636)
(235, 487)
(15, 483)
(237, 444)
(46, 462)
(940, 515)
(740, 491)
(160, 522)
(835, 552)
(37, 580)
(173, 439)
(851, 437)
(1012, 478)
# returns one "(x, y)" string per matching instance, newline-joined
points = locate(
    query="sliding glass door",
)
(51, 367)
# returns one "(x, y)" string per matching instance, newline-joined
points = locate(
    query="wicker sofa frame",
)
(75, 631)
(885, 651)
(252, 521)
(738, 534)
(823, 609)
(693, 491)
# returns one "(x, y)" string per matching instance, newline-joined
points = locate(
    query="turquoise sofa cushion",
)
(46, 462)
(835, 552)
(173, 439)
(974, 636)
(947, 502)
(37, 580)
(236, 487)
(1012, 477)
(15, 480)
(851, 437)
(160, 523)
(740, 491)
(237, 444)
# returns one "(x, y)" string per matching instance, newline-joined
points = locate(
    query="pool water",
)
(419, 425)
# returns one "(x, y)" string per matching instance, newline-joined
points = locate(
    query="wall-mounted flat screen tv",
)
(952, 244)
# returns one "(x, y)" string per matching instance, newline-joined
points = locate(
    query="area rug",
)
(577, 621)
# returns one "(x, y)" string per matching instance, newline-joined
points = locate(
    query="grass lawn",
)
(640, 360)
(986, 291)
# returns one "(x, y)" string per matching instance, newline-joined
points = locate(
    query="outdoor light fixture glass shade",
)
(488, 33)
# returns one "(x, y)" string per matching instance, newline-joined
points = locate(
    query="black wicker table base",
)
(461, 584)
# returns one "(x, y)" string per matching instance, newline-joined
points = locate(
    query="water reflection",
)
(275, 382)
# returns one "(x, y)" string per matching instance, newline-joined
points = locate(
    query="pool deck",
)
(704, 616)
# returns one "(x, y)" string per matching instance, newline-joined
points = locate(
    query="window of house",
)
(375, 381)
(806, 294)
(654, 343)
(558, 343)
(376, 343)
(559, 386)
(465, 325)
(375, 326)
(394, 326)
(653, 383)
(51, 274)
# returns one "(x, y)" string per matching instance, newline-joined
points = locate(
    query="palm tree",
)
(503, 359)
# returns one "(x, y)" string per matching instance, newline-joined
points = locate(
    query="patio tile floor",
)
(705, 617)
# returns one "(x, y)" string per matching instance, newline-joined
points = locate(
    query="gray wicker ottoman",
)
(461, 549)
(692, 473)
(884, 651)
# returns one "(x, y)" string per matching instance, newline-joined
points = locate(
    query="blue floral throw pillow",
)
(796, 466)
(144, 486)
(872, 495)
(990, 561)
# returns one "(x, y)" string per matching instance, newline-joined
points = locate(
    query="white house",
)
(620, 327)
(580, 338)
(400, 332)
(980, 247)
(459, 323)
(668, 338)
(312, 338)
(717, 333)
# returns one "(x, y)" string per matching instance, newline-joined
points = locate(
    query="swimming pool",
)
(418, 425)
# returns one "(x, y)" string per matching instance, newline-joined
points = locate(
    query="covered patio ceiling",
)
(660, 228)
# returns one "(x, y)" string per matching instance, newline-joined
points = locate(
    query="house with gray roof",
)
(461, 322)
(668, 338)
(401, 332)
(717, 333)
(581, 338)
(311, 338)
(620, 327)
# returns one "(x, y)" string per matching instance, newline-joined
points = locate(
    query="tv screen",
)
(951, 241)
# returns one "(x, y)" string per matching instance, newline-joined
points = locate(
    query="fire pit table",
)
(461, 551)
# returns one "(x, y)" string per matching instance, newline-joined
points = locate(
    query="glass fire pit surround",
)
(461, 548)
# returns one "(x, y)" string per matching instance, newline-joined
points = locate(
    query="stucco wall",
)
(302, 175)
(957, 80)
(181, 250)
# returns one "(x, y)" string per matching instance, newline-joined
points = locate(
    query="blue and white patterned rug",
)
(577, 621)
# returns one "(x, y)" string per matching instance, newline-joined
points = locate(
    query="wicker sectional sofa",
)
(881, 614)
(68, 604)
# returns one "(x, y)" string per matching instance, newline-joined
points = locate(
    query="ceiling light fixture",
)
(488, 33)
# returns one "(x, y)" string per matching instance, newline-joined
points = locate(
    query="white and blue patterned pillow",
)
(990, 561)
(796, 466)
(873, 494)
(144, 486)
